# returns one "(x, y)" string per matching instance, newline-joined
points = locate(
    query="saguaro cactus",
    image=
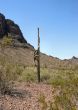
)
(37, 57)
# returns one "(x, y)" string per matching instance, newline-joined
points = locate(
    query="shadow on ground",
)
(17, 93)
(20, 93)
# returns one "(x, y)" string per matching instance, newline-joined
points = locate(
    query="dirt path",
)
(25, 97)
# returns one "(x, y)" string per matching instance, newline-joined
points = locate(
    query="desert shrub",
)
(67, 81)
(43, 102)
(28, 75)
(6, 41)
(46, 105)
(45, 76)
(5, 84)
(9, 72)
(65, 100)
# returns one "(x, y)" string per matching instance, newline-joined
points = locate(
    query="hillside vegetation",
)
(16, 64)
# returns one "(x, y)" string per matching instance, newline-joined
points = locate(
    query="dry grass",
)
(15, 65)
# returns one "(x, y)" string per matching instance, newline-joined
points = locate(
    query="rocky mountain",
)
(9, 28)
(21, 52)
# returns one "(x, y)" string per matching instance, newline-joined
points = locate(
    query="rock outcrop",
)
(15, 31)
(3, 26)
(9, 28)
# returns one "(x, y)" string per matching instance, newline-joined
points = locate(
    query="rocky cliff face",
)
(9, 28)
(3, 26)
(15, 31)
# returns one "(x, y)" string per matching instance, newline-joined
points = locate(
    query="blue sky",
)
(57, 20)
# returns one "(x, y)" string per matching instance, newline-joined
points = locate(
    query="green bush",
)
(28, 75)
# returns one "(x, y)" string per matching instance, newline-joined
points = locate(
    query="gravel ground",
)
(25, 96)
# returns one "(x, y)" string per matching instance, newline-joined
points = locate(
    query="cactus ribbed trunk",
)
(38, 66)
